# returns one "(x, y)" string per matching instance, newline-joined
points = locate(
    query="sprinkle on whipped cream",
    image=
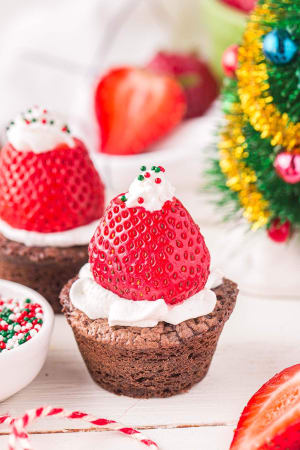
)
(38, 130)
(150, 189)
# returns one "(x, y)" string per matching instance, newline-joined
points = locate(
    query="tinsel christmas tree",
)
(258, 164)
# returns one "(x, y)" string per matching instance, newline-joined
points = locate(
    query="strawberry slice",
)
(271, 420)
(135, 108)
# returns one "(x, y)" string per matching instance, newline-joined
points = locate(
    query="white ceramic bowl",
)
(21, 365)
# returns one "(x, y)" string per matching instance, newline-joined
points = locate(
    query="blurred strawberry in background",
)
(135, 108)
(242, 5)
(199, 84)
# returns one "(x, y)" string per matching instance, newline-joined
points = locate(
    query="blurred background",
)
(53, 52)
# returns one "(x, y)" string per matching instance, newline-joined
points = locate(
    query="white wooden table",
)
(261, 338)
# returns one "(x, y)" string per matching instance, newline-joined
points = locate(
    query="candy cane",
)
(19, 436)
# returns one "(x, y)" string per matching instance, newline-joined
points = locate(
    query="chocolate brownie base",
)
(45, 269)
(150, 362)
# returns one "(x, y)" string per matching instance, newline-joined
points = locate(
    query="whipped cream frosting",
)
(154, 189)
(99, 303)
(76, 236)
(38, 130)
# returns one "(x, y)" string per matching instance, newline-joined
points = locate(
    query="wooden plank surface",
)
(215, 438)
(261, 338)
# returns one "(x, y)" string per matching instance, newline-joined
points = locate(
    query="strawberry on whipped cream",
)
(148, 261)
(50, 192)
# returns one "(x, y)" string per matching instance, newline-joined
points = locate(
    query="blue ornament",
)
(278, 47)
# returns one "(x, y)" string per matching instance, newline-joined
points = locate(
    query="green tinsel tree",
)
(258, 164)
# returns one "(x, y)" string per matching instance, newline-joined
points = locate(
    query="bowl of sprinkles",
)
(26, 322)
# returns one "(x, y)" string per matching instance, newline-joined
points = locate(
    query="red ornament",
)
(279, 232)
(230, 60)
(242, 5)
(287, 165)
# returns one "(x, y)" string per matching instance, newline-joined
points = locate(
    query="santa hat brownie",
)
(51, 198)
(148, 296)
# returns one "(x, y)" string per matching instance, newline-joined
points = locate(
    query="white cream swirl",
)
(99, 303)
(68, 238)
(154, 189)
(38, 130)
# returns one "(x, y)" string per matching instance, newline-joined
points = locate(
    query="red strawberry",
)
(50, 191)
(135, 108)
(271, 420)
(242, 5)
(198, 82)
(147, 255)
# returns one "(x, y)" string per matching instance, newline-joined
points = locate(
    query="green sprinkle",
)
(27, 300)
(51, 122)
(29, 110)
(33, 120)
(157, 169)
(140, 177)
(123, 198)
(153, 167)
(40, 321)
(143, 168)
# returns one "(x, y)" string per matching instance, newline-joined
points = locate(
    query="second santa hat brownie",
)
(51, 198)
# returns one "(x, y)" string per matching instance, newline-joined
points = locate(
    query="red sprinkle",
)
(44, 121)
(140, 200)
(147, 175)
(162, 168)
(157, 180)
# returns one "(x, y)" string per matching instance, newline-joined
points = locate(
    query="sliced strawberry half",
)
(271, 420)
(135, 108)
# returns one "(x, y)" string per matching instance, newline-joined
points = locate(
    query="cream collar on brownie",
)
(100, 303)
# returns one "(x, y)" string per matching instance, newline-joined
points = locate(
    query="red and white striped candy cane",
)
(19, 436)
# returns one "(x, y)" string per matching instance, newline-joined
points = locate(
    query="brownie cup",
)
(150, 362)
(44, 269)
